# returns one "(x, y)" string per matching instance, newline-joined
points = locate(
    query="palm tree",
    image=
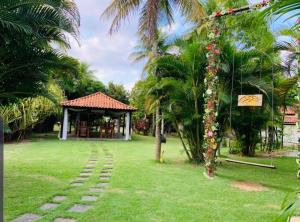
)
(284, 7)
(250, 72)
(151, 13)
(181, 88)
(28, 30)
(146, 51)
(47, 20)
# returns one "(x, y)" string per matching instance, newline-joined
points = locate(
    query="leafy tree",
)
(118, 92)
(79, 83)
(138, 97)
(21, 116)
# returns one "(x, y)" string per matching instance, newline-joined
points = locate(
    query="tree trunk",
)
(153, 125)
(157, 132)
(180, 134)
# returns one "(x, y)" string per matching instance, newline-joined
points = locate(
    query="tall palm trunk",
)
(158, 132)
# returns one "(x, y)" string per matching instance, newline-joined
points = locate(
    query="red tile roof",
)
(290, 119)
(98, 101)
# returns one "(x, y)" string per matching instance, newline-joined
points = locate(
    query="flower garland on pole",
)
(211, 83)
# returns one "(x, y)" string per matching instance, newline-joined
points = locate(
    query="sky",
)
(108, 55)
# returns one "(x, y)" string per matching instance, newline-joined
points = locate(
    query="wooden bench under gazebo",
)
(96, 116)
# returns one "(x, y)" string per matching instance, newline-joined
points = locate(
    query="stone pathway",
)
(27, 218)
(87, 199)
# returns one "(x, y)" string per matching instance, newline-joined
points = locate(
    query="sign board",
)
(250, 100)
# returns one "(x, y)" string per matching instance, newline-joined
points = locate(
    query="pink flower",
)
(218, 14)
(217, 51)
(210, 133)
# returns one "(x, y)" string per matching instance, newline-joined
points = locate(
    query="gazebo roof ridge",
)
(98, 100)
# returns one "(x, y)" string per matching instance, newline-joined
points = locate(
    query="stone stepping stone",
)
(105, 174)
(92, 161)
(85, 170)
(27, 218)
(79, 208)
(77, 184)
(59, 198)
(105, 178)
(89, 198)
(85, 174)
(295, 219)
(64, 220)
(109, 163)
(81, 179)
(102, 184)
(96, 190)
(49, 206)
(90, 167)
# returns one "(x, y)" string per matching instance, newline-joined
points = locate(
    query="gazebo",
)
(96, 116)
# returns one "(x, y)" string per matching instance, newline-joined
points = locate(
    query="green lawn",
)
(140, 189)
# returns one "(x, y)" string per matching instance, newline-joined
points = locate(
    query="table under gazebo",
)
(96, 116)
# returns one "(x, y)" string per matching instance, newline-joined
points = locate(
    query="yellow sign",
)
(250, 100)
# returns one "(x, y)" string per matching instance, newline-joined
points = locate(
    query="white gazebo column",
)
(127, 130)
(65, 125)
(162, 124)
(118, 125)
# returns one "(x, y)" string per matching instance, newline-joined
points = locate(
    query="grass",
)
(140, 188)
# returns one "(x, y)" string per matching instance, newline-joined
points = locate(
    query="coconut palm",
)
(181, 88)
(46, 20)
(151, 51)
(28, 30)
(285, 7)
(151, 13)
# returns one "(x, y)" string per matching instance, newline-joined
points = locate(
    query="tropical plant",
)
(21, 116)
(251, 72)
(152, 13)
(151, 51)
(28, 31)
(181, 89)
(289, 206)
(284, 7)
(46, 20)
